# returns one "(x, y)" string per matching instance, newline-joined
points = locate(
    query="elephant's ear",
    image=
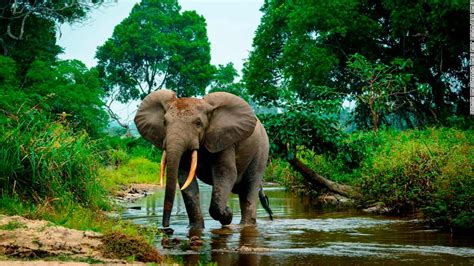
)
(232, 120)
(150, 116)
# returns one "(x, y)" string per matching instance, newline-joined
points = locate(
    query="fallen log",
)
(321, 182)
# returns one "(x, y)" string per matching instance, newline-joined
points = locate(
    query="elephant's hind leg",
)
(248, 205)
(252, 181)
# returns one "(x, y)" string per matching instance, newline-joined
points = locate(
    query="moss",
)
(13, 225)
(120, 246)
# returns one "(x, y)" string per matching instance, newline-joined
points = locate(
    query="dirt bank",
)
(35, 239)
(132, 192)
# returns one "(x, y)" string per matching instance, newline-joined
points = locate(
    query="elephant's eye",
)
(198, 123)
(164, 123)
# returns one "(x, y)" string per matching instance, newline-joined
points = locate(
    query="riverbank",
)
(23, 238)
(427, 173)
(76, 234)
(133, 192)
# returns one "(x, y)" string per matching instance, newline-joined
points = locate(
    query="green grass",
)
(136, 170)
(13, 225)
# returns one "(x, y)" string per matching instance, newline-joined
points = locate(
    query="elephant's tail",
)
(265, 202)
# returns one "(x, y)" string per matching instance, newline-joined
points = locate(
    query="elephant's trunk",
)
(171, 160)
(173, 154)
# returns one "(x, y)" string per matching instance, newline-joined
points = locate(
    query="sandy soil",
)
(32, 239)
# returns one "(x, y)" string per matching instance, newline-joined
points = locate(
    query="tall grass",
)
(43, 161)
(50, 172)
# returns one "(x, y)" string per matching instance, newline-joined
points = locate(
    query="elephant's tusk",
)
(162, 168)
(192, 171)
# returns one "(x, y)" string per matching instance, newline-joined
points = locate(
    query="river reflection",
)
(304, 235)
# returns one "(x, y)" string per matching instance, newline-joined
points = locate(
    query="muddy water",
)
(304, 235)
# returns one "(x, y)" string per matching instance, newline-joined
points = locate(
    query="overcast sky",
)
(231, 25)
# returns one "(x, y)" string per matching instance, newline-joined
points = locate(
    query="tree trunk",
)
(322, 182)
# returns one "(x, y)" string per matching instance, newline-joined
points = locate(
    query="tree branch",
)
(115, 117)
(22, 28)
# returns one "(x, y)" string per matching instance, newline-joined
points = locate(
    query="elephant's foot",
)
(196, 225)
(223, 216)
(248, 221)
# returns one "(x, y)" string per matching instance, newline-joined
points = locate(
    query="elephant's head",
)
(179, 125)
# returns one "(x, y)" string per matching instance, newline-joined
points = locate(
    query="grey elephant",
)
(219, 140)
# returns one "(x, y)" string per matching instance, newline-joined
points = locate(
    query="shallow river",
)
(302, 234)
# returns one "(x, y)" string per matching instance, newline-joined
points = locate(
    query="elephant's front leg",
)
(224, 175)
(191, 201)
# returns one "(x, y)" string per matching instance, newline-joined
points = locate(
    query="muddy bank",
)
(133, 192)
(35, 239)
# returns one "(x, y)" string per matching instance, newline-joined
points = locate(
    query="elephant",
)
(218, 139)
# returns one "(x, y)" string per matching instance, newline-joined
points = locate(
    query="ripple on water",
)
(303, 234)
(352, 249)
(327, 225)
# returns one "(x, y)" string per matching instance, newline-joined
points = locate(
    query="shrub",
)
(279, 171)
(429, 170)
(117, 157)
(121, 246)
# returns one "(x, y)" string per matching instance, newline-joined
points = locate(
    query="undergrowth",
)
(408, 171)
(137, 170)
(50, 171)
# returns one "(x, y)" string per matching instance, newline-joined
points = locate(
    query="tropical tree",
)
(156, 46)
(28, 28)
(303, 46)
(224, 79)
(63, 90)
(382, 87)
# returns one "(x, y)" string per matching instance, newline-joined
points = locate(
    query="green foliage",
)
(117, 157)
(65, 90)
(74, 93)
(156, 46)
(42, 160)
(383, 88)
(303, 47)
(28, 28)
(303, 125)
(429, 170)
(224, 80)
(129, 160)
(121, 149)
(416, 170)
(8, 73)
(280, 171)
(12, 205)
